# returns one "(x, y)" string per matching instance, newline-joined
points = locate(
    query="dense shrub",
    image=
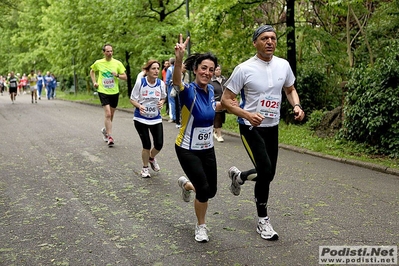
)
(315, 118)
(371, 108)
(317, 91)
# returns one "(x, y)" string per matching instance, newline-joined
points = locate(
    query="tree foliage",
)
(331, 37)
(372, 103)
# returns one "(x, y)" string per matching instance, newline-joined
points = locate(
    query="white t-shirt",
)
(148, 95)
(260, 84)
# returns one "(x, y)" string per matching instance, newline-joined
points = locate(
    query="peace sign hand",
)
(180, 47)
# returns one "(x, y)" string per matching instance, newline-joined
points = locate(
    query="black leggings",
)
(156, 132)
(200, 168)
(261, 144)
(177, 109)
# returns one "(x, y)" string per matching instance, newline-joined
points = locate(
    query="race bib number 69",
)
(202, 138)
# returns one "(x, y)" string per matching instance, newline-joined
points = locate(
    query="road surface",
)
(68, 199)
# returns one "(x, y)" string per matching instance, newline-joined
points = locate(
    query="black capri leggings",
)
(144, 133)
(200, 168)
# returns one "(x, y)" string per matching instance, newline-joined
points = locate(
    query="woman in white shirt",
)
(148, 96)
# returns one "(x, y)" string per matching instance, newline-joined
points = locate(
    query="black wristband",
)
(117, 75)
(298, 106)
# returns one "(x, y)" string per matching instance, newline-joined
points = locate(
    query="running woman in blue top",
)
(194, 143)
(148, 96)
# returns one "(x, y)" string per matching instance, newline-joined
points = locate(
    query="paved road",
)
(68, 199)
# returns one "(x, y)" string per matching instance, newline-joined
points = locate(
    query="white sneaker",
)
(201, 233)
(103, 131)
(145, 173)
(219, 139)
(154, 165)
(235, 187)
(266, 230)
(185, 194)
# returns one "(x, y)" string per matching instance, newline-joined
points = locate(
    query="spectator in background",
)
(2, 85)
(166, 65)
(217, 81)
(40, 84)
(18, 76)
(169, 85)
(141, 74)
(186, 80)
(185, 74)
(54, 86)
(32, 79)
(23, 84)
(48, 82)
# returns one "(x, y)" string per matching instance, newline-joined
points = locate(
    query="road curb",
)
(371, 166)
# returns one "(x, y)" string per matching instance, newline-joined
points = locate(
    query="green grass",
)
(91, 98)
(295, 135)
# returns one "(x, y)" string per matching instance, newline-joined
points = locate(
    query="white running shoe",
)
(145, 173)
(219, 139)
(201, 233)
(104, 132)
(235, 187)
(185, 194)
(154, 165)
(266, 230)
(110, 141)
(215, 136)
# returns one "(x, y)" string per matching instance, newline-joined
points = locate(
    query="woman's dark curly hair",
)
(194, 60)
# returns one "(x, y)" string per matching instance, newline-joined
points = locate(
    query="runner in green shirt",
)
(109, 71)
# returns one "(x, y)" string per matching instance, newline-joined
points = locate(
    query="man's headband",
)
(262, 29)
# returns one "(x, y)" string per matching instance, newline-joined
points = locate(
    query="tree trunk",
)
(348, 40)
(291, 43)
(129, 78)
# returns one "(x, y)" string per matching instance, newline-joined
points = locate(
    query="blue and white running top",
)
(197, 115)
(148, 95)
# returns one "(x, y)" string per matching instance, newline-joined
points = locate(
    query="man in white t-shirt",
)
(260, 81)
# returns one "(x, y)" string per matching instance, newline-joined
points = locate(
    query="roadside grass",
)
(289, 134)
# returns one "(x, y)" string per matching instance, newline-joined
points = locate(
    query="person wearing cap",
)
(260, 81)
